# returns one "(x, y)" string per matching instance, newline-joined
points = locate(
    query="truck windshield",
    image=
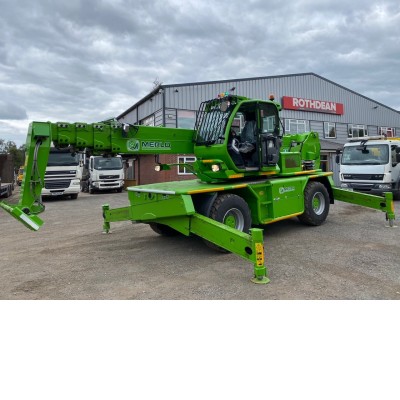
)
(107, 163)
(369, 154)
(62, 158)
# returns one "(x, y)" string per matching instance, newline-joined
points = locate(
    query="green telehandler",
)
(249, 173)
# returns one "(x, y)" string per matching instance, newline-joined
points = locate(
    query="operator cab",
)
(247, 129)
(254, 136)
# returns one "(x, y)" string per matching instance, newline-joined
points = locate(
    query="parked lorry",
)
(249, 173)
(6, 175)
(371, 165)
(102, 173)
(63, 174)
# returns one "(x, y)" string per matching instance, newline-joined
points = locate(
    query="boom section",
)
(99, 138)
(123, 139)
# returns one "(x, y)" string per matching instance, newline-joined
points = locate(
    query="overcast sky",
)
(88, 60)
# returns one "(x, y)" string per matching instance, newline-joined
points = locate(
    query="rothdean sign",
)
(300, 104)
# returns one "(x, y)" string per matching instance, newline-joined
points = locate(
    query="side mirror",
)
(337, 158)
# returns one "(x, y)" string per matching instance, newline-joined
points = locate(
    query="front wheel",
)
(316, 204)
(231, 210)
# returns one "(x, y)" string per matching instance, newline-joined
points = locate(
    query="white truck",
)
(102, 174)
(371, 165)
(63, 174)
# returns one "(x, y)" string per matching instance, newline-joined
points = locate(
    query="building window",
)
(357, 131)
(186, 119)
(329, 130)
(149, 121)
(182, 169)
(388, 132)
(295, 126)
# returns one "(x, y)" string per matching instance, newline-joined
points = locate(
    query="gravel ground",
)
(353, 255)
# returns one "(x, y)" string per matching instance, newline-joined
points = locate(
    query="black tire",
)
(163, 230)
(74, 196)
(119, 190)
(230, 210)
(316, 204)
(91, 189)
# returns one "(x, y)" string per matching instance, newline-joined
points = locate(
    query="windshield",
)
(368, 154)
(62, 159)
(211, 121)
(107, 163)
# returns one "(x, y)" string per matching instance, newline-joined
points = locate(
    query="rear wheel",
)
(316, 204)
(163, 230)
(231, 210)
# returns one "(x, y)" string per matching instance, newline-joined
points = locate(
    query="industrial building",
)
(309, 103)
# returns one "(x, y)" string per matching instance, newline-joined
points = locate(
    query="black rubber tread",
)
(163, 230)
(222, 204)
(309, 217)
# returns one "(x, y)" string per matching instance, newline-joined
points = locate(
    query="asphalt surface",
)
(353, 255)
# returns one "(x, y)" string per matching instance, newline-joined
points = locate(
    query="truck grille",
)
(58, 184)
(109, 177)
(364, 177)
(60, 174)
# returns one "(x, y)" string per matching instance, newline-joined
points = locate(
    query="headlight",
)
(215, 168)
(384, 186)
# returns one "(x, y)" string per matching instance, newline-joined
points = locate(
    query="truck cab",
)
(371, 165)
(63, 174)
(102, 174)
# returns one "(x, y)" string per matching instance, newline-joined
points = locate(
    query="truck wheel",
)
(91, 190)
(316, 204)
(163, 230)
(74, 196)
(230, 210)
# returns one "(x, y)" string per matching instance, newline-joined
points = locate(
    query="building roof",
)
(162, 87)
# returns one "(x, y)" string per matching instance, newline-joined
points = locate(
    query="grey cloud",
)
(11, 111)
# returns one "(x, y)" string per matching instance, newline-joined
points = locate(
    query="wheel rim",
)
(234, 219)
(318, 203)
